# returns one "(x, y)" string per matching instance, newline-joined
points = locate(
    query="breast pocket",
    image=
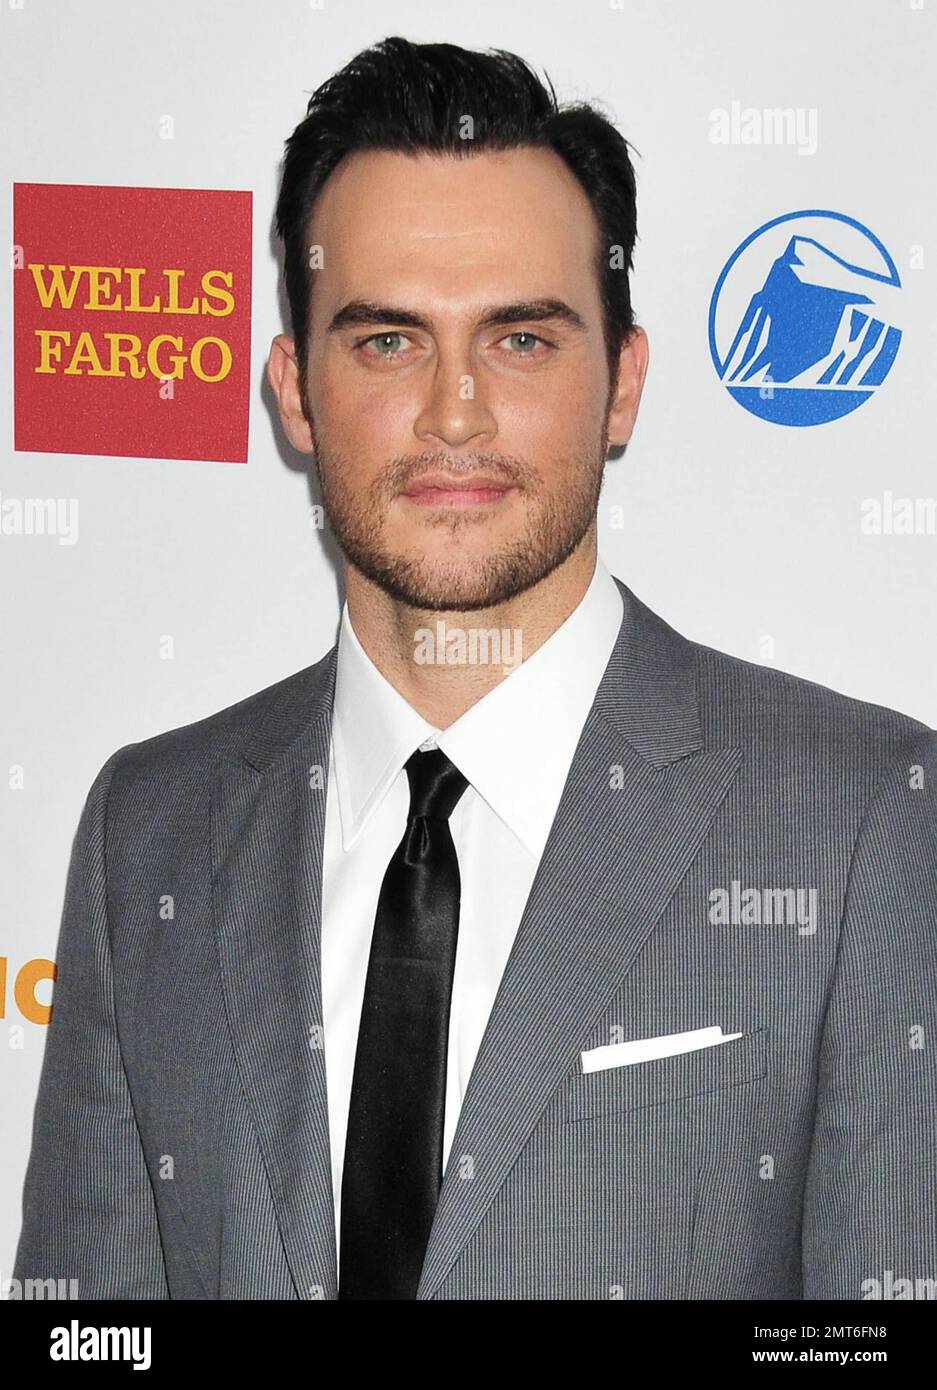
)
(665, 1079)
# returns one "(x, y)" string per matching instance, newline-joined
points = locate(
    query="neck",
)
(442, 691)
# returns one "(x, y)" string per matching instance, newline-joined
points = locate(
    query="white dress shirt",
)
(514, 746)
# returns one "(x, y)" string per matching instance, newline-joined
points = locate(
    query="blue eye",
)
(380, 340)
(531, 339)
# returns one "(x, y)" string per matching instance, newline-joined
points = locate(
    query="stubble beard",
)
(553, 529)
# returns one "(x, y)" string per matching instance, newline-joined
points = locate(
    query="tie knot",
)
(435, 784)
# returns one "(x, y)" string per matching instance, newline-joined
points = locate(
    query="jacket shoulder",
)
(271, 717)
(745, 702)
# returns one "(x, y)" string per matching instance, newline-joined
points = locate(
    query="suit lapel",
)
(267, 831)
(611, 863)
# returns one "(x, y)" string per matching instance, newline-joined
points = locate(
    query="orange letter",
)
(24, 990)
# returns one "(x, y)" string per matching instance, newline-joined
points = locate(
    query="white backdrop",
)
(743, 534)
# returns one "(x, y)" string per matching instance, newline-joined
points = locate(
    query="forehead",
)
(496, 222)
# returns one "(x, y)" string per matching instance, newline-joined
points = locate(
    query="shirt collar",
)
(514, 745)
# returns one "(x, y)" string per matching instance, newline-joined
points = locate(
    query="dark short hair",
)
(413, 98)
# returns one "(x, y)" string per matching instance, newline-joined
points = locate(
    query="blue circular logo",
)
(803, 319)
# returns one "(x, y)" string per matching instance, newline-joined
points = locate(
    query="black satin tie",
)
(393, 1151)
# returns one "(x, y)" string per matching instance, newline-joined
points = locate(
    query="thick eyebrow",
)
(362, 313)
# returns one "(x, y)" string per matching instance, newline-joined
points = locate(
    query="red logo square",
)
(131, 321)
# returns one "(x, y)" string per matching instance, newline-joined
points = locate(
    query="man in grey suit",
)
(520, 947)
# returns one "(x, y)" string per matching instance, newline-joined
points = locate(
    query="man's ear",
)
(632, 369)
(283, 376)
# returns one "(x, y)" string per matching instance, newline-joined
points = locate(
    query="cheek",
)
(368, 413)
(548, 415)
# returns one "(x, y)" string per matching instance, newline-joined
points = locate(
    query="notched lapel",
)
(641, 794)
(267, 830)
(614, 857)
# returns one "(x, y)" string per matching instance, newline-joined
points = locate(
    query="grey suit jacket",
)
(734, 847)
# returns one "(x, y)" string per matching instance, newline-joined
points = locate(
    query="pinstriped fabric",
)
(734, 847)
(267, 908)
(88, 1209)
(581, 929)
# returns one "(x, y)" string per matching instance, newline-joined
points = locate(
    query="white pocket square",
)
(624, 1054)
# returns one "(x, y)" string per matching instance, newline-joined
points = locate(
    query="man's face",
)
(457, 384)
